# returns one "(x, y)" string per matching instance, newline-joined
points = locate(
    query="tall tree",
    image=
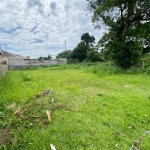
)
(128, 22)
(80, 52)
(87, 39)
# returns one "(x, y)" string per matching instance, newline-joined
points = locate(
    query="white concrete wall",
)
(3, 66)
(16, 61)
(3, 60)
(21, 63)
(3, 70)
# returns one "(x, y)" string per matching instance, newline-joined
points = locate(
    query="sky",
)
(40, 27)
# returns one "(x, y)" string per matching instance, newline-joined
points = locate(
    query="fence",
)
(21, 63)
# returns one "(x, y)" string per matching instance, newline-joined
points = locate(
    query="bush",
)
(148, 70)
(134, 70)
(72, 61)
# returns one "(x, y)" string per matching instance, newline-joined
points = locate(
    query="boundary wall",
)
(3, 66)
(21, 63)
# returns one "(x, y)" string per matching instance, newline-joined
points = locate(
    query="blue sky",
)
(39, 27)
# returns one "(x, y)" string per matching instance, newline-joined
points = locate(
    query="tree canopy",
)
(87, 39)
(65, 54)
(85, 50)
(128, 23)
(80, 52)
(49, 57)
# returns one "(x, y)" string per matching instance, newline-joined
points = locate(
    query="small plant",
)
(95, 70)
(26, 77)
(1, 104)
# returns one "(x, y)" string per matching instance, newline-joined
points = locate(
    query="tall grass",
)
(95, 107)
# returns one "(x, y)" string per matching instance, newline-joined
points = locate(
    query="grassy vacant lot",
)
(92, 109)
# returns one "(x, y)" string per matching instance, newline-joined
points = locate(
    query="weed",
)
(133, 70)
(25, 77)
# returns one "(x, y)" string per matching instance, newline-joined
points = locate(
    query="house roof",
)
(10, 55)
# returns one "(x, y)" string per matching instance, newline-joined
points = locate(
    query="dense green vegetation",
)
(128, 23)
(127, 37)
(95, 107)
(83, 52)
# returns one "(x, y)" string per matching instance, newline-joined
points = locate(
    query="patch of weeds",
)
(2, 115)
(1, 104)
(133, 70)
(32, 68)
(113, 70)
(76, 67)
(26, 77)
(106, 123)
(57, 68)
(22, 139)
(95, 70)
(100, 95)
(90, 64)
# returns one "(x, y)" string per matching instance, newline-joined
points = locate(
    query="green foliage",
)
(128, 31)
(26, 77)
(1, 104)
(148, 70)
(146, 60)
(49, 57)
(94, 56)
(145, 51)
(127, 55)
(134, 70)
(83, 50)
(87, 39)
(65, 54)
(72, 61)
(80, 52)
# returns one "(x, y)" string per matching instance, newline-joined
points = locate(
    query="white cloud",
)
(30, 27)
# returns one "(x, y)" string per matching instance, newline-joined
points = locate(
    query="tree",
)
(94, 56)
(128, 23)
(87, 39)
(65, 54)
(49, 57)
(80, 52)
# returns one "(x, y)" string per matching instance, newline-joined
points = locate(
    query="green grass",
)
(94, 108)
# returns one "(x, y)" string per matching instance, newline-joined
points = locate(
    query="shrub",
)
(148, 70)
(134, 70)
